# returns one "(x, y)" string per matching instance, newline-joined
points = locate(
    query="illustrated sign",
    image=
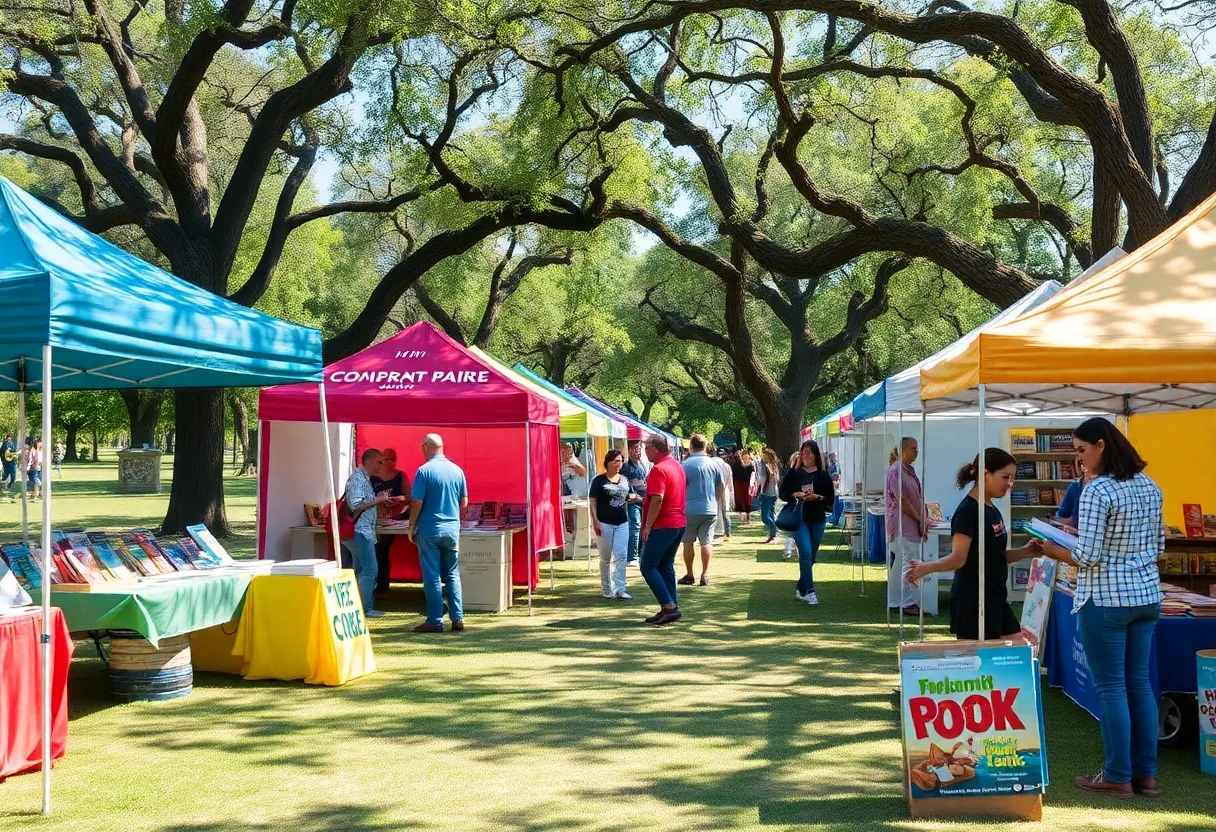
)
(1038, 602)
(971, 721)
(1207, 710)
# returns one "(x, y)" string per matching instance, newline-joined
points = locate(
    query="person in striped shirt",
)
(1120, 536)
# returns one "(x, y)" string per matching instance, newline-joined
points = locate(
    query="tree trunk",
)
(240, 437)
(69, 453)
(197, 495)
(143, 412)
(95, 457)
(783, 425)
(170, 435)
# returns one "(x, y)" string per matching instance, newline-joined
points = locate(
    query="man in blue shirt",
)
(636, 470)
(705, 489)
(439, 499)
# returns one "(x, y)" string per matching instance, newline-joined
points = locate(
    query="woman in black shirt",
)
(610, 494)
(809, 483)
(394, 482)
(964, 557)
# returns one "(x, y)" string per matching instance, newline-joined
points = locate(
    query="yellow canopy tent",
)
(1138, 336)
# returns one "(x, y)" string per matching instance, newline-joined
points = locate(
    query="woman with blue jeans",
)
(768, 483)
(808, 482)
(1120, 536)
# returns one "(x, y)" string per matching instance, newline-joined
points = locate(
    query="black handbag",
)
(790, 516)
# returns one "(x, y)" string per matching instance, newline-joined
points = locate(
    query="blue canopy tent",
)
(82, 314)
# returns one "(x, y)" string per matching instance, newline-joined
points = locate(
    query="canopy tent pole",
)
(588, 454)
(47, 401)
(865, 508)
(924, 489)
(886, 509)
(329, 477)
(528, 521)
(21, 475)
(983, 497)
(899, 524)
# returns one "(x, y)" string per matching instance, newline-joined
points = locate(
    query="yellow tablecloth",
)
(293, 627)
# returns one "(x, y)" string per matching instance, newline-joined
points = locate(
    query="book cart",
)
(96, 317)
(1136, 336)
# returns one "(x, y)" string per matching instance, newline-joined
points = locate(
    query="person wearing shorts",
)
(704, 488)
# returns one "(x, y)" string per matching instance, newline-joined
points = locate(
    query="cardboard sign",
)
(1037, 605)
(347, 635)
(971, 722)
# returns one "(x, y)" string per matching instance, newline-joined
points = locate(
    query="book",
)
(80, 555)
(934, 512)
(473, 515)
(515, 514)
(1026, 471)
(12, 593)
(135, 558)
(310, 566)
(1192, 518)
(1038, 601)
(1022, 440)
(1058, 443)
(315, 513)
(1209, 525)
(1046, 531)
(1068, 471)
(207, 542)
(147, 542)
(24, 565)
(193, 554)
(176, 556)
(105, 555)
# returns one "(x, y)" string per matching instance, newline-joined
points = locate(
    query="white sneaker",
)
(609, 593)
(799, 595)
(787, 554)
(811, 598)
(624, 596)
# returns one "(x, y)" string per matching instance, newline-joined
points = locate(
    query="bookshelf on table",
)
(1185, 560)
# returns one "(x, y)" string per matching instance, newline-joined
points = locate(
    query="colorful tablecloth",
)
(292, 627)
(21, 690)
(157, 610)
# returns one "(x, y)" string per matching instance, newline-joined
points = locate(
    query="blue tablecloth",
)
(877, 537)
(1172, 667)
(837, 511)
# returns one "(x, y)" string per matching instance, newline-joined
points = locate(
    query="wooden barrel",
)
(142, 672)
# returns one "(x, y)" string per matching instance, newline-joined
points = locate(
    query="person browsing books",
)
(393, 481)
(610, 494)
(907, 524)
(991, 482)
(1066, 512)
(439, 500)
(1120, 536)
(663, 523)
(362, 502)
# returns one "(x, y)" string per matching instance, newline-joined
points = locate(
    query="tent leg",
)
(21, 475)
(899, 525)
(48, 395)
(528, 532)
(590, 541)
(329, 477)
(886, 504)
(924, 481)
(979, 473)
(865, 508)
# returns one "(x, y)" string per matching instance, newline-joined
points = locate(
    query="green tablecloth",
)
(156, 610)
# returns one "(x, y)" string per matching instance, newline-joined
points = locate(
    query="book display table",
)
(1172, 668)
(21, 690)
(308, 627)
(157, 609)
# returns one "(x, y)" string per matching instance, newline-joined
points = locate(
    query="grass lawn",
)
(754, 712)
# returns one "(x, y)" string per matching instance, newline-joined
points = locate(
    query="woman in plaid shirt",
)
(1120, 536)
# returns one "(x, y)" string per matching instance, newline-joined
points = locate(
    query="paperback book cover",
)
(515, 514)
(1022, 440)
(207, 542)
(176, 556)
(80, 555)
(135, 558)
(24, 566)
(147, 543)
(1209, 525)
(12, 593)
(1192, 518)
(1037, 605)
(104, 553)
(1026, 471)
(934, 510)
(197, 557)
(1068, 471)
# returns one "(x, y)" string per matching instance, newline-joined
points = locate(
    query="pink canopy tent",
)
(503, 435)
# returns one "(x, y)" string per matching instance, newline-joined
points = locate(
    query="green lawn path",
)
(754, 712)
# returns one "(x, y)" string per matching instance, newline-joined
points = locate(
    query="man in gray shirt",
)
(705, 488)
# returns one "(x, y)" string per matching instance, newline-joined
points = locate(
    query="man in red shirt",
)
(662, 528)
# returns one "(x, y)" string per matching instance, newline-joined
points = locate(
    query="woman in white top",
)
(1120, 536)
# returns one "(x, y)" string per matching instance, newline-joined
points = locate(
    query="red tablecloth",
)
(21, 686)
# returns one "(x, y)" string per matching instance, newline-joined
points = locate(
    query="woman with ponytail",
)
(988, 483)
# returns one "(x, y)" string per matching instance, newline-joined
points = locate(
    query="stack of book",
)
(472, 517)
(515, 515)
(25, 565)
(491, 516)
